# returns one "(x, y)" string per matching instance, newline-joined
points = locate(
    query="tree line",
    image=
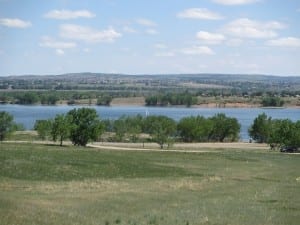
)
(156, 128)
(53, 97)
(83, 125)
(186, 99)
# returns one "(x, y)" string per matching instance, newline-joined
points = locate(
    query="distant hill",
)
(191, 82)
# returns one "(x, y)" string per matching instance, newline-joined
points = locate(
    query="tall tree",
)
(161, 128)
(284, 132)
(61, 128)
(260, 130)
(43, 128)
(85, 126)
(7, 125)
(120, 128)
(224, 128)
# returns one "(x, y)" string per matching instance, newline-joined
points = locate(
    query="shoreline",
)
(206, 105)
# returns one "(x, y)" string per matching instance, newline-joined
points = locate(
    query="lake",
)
(27, 115)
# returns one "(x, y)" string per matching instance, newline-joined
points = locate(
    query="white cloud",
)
(59, 52)
(160, 46)
(14, 23)
(151, 31)
(246, 28)
(68, 14)
(285, 42)
(197, 50)
(235, 2)
(146, 22)
(76, 32)
(165, 54)
(210, 38)
(48, 42)
(234, 42)
(128, 29)
(199, 13)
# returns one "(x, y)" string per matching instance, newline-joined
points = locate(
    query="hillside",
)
(151, 82)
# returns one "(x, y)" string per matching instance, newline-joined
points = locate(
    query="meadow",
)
(48, 184)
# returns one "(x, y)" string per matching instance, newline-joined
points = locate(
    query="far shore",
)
(140, 101)
(130, 104)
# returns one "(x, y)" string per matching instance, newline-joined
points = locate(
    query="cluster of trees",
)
(161, 129)
(272, 101)
(104, 100)
(218, 128)
(79, 125)
(186, 99)
(83, 125)
(164, 130)
(30, 97)
(279, 132)
(52, 97)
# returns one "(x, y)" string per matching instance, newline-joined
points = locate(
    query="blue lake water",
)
(27, 115)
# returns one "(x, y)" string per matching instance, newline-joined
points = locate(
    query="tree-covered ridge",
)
(238, 83)
(168, 89)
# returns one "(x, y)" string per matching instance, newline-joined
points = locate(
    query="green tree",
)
(296, 134)
(224, 128)
(7, 125)
(260, 130)
(120, 128)
(49, 99)
(61, 128)
(161, 129)
(271, 101)
(28, 98)
(194, 128)
(151, 101)
(43, 128)
(85, 126)
(104, 100)
(134, 126)
(128, 126)
(284, 133)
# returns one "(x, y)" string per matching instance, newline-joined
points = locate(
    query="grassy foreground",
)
(42, 184)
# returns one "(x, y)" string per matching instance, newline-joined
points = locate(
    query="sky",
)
(44, 37)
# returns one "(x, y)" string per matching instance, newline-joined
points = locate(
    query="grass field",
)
(47, 184)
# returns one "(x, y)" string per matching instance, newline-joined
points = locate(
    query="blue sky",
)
(150, 37)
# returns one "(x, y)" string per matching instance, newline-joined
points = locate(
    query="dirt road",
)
(179, 147)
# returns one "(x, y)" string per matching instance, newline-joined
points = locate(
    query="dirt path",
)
(106, 147)
(179, 147)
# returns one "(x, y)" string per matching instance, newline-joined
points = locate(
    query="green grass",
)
(44, 184)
